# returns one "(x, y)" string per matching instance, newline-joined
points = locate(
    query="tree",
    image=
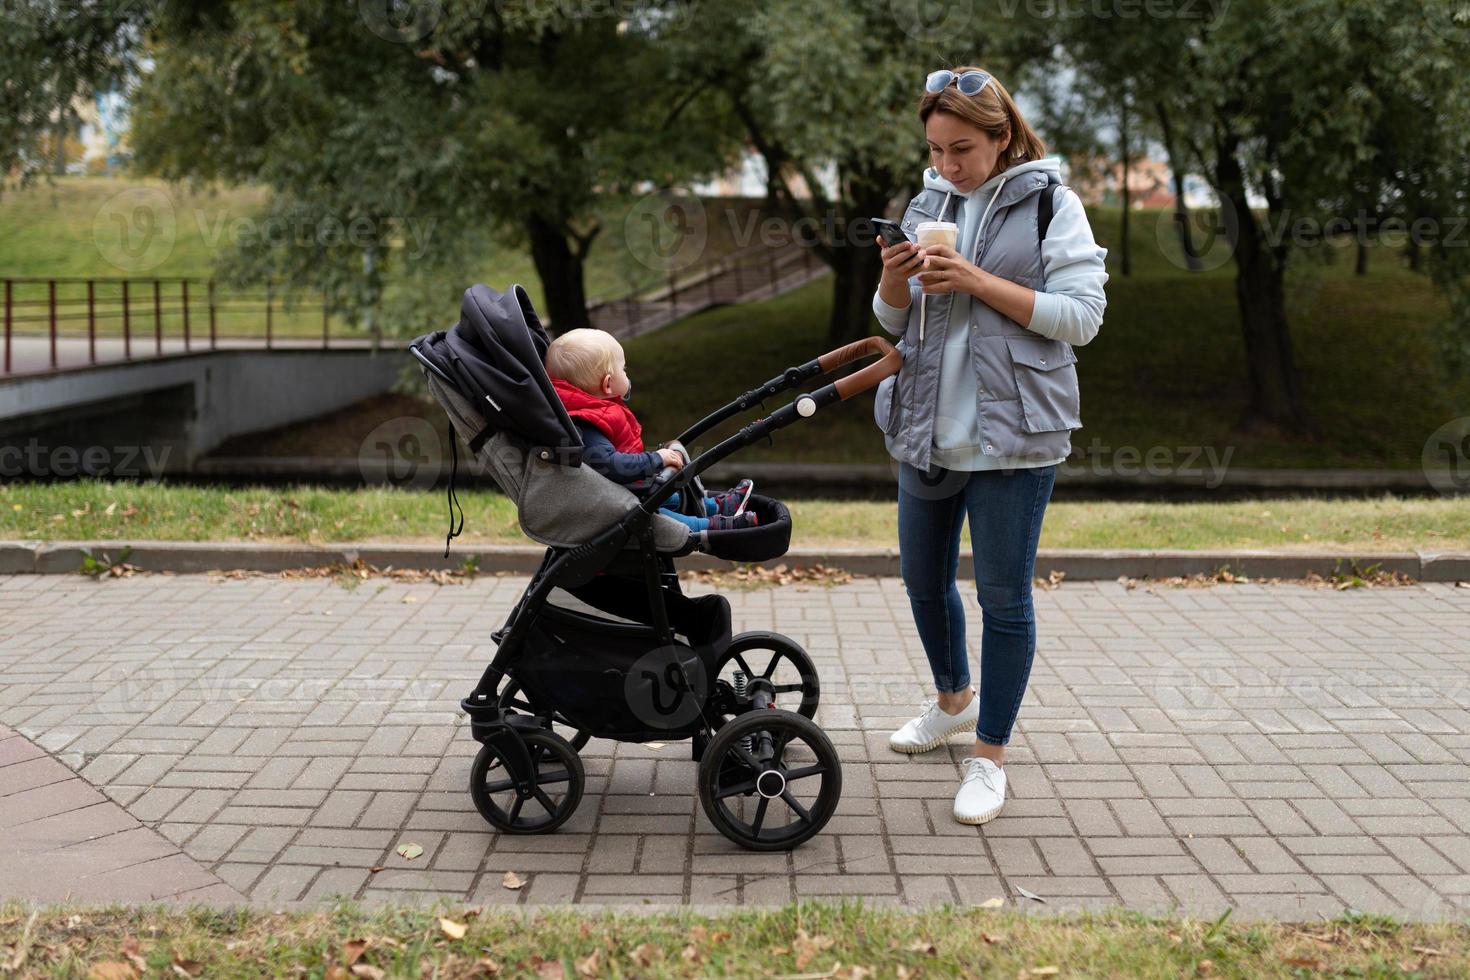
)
(818, 85)
(52, 54)
(1271, 101)
(517, 117)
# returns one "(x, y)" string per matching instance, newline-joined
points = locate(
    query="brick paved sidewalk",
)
(1285, 750)
(64, 841)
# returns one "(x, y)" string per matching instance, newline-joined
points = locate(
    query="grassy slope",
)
(80, 510)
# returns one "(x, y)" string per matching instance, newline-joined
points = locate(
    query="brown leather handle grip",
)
(868, 377)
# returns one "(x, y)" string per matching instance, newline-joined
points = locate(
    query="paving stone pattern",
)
(1287, 751)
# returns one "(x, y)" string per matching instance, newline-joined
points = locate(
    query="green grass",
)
(814, 940)
(94, 510)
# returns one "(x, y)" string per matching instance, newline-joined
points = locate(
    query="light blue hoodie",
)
(1068, 308)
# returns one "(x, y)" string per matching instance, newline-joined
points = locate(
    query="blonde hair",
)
(991, 110)
(583, 356)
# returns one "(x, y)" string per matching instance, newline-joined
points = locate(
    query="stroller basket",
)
(620, 679)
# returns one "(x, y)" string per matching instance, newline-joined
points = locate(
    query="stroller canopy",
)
(495, 357)
(488, 373)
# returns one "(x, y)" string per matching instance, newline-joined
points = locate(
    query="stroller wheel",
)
(778, 659)
(511, 696)
(559, 779)
(770, 780)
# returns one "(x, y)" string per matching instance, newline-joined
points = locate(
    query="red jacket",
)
(611, 416)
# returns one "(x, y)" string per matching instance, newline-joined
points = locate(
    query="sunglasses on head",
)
(969, 82)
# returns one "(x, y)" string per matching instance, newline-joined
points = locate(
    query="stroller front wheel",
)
(770, 780)
(557, 791)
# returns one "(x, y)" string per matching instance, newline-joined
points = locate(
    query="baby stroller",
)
(603, 642)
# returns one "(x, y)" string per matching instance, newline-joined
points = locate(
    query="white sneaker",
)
(982, 792)
(934, 725)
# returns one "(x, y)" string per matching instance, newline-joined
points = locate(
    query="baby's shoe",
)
(733, 501)
(727, 522)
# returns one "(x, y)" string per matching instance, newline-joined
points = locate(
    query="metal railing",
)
(143, 314)
(141, 318)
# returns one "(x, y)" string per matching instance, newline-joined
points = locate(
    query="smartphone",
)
(890, 231)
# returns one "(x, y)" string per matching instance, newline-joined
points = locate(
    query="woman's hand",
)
(900, 261)
(947, 271)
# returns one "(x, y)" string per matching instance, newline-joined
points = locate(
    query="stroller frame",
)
(737, 731)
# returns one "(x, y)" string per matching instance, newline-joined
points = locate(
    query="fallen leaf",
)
(992, 940)
(1304, 963)
(690, 954)
(1044, 971)
(512, 881)
(353, 949)
(587, 966)
(1205, 968)
(645, 953)
(112, 970)
(452, 929)
(1026, 893)
(375, 869)
(923, 946)
(487, 968)
(807, 947)
(410, 851)
(551, 970)
(1427, 950)
(188, 969)
(134, 954)
(993, 903)
(334, 972)
(367, 972)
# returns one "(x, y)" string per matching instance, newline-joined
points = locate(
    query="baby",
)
(588, 371)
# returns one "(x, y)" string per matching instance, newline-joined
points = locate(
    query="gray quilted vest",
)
(1026, 384)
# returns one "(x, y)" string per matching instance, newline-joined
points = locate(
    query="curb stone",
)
(1076, 564)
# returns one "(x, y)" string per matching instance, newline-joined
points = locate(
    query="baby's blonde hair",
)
(583, 356)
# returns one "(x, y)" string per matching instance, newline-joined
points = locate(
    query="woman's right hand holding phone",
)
(901, 261)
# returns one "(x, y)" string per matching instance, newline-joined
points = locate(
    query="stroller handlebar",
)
(869, 376)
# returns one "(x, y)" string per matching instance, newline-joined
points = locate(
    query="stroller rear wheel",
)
(770, 780)
(558, 790)
(780, 660)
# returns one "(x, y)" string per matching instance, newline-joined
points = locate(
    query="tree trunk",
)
(1361, 268)
(1414, 252)
(1181, 209)
(856, 267)
(1275, 403)
(1125, 194)
(559, 268)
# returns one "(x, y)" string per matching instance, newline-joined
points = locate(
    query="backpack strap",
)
(1047, 206)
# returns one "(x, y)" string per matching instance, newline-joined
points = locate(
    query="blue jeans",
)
(692, 523)
(1005, 509)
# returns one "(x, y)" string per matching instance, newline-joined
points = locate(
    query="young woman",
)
(981, 414)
